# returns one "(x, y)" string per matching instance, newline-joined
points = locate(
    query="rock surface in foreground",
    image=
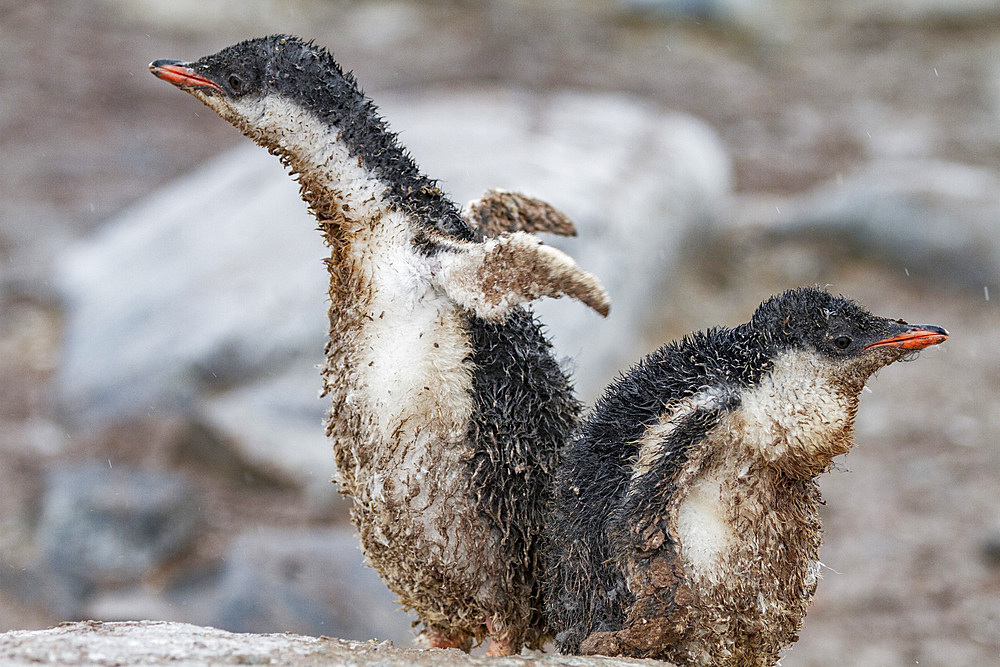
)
(179, 644)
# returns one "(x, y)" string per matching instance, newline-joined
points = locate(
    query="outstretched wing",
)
(491, 277)
(502, 211)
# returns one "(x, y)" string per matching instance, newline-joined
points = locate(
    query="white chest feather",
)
(412, 347)
(704, 529)
(796, 412)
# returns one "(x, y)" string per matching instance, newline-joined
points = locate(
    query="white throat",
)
(315, 150)
(796, 411)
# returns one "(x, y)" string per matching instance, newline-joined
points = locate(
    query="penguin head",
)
(852, 340)
(821, 351)
(291, 97)
(269, 87)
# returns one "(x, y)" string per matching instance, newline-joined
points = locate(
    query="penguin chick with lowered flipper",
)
(686, 523)
(447, 405)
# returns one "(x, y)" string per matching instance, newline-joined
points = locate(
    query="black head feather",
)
(308, 75)
(810, 317)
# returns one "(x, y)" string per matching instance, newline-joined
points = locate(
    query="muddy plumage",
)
(686, 520)
(447, 406)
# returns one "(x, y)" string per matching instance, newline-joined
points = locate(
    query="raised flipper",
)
(491, 277)
(502, 211)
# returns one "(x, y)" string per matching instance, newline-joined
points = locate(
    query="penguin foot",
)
(499, 646)
(440, 639)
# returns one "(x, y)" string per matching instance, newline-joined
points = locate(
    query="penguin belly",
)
(746, 540)
(404, 455)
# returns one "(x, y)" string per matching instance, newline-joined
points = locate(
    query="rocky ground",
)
(178, 645)
(865, 150)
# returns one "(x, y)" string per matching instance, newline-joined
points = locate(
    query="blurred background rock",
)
(161, 289)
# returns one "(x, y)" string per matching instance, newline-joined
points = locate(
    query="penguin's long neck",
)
(397, 368)
(350, 166)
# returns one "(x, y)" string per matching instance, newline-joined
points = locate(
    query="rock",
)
(989, 550)
(190, 291)
(757, 17)
(937, 220)
(109, 527)
(182, 645)
(210, 294)
(953, 12)
(309, 581)
(175, 442)
(32, 234)
(276, 424)
(305, 581)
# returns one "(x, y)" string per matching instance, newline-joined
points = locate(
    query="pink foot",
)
(498, 647)
(438, 640)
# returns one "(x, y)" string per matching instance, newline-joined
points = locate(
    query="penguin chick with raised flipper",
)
(447, 405)
(686, 523)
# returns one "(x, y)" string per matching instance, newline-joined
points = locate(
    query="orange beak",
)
(180, 74)
(915, 337)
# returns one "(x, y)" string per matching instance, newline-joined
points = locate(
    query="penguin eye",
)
(842, 342)
(235, 83)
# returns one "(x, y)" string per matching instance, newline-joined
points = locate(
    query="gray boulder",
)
(277, 424)
(937, 220)
(101, 528)
(214, 280)
(310, 581)
(961, 12)
(759, 18)
(306, 581)
(113, 525)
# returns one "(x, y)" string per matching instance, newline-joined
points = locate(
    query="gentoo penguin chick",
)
(447, 405)
(686, 523)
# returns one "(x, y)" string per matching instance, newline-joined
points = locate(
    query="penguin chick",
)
(447, 405)
(686, 523)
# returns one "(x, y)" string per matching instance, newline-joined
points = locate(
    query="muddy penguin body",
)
(686, 520)
(447, 405)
